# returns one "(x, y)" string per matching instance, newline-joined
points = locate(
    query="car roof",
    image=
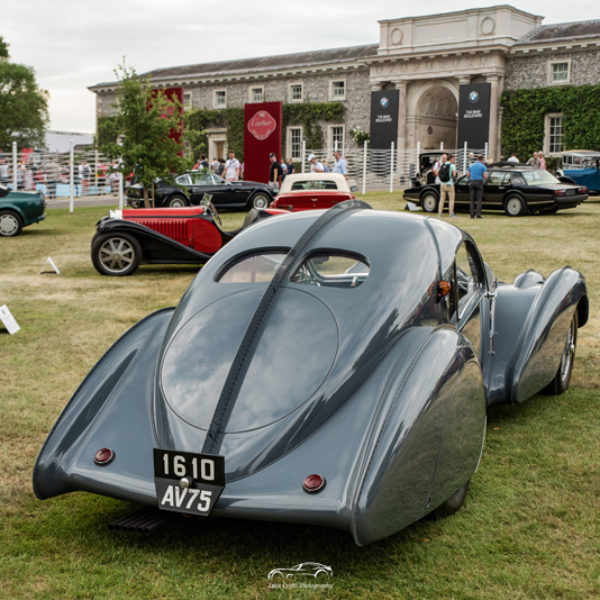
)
(340, 180)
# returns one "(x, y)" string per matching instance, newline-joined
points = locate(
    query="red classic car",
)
(188, 235)
(306, 191)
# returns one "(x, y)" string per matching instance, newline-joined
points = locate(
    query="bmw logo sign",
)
(473, 96)
(384, 102)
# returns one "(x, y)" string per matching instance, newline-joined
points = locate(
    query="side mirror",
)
(354, 188)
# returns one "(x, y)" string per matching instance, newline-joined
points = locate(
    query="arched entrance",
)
(436, 117)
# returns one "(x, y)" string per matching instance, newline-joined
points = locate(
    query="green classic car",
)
(19, 209)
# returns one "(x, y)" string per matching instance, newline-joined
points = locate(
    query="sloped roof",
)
(264, 63)
(573, 31)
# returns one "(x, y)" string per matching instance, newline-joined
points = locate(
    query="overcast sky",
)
(72, 45)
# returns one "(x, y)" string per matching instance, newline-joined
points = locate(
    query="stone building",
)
(426, 58)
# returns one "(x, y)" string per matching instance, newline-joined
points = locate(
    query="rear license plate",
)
(186, 482)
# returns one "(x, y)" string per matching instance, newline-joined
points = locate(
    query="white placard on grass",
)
(9, 321)
(52, 264)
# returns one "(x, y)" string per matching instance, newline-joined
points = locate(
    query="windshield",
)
(538, 177)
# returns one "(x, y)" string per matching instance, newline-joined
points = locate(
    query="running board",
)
(144, 520)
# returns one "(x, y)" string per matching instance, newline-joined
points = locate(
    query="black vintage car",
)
(189, 188)
(517, 190)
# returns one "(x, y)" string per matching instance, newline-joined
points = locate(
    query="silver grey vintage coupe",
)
(324, 367)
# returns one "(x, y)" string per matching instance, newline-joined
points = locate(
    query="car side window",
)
(517, 179)
(184, 179)
(498, 178)
(469, 279)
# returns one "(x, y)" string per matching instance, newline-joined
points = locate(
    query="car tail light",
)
(583, 190)
(559, 192)
(313, 483)
(104, 456)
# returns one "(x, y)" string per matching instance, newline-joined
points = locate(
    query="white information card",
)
(9, 321)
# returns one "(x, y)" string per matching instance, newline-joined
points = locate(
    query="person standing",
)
(232, 167)
(541, 161)
(341, 164)
(202, 163)
(274, 170)
(477, 173)
(85, 174)
(533, 161)
(290, 166)
(513, 159)
(437, 165)
(446, 174)
(315, 165)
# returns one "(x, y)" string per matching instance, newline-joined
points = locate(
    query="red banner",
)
(262, 135)
(173, 94)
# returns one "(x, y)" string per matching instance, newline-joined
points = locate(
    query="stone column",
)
(401, 86)
(494, 104)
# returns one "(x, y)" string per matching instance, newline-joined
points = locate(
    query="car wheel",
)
(429, 202)
(561, 380)
(260, 200)
(177, 201)
(452, 504)
(11, 223)
(515, 207)
(116, 254)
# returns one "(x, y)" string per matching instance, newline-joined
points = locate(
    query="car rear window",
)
(539, 177)
(253, 268)
(315, 184)
(332, 269)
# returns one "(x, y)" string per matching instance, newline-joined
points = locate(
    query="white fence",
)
(389, 169)
(68, 175)
(76, 174)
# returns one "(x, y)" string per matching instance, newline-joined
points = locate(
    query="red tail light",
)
(313, 483)
(104, 456)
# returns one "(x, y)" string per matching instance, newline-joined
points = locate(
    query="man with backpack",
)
(446, 174)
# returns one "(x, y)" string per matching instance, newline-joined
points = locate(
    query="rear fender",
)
(428, 438)
(532, 318)
(111, 408)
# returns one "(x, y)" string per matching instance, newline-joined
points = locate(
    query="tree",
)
(141, 132)
(23, 106)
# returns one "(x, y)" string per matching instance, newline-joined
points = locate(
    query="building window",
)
(296, 92)
(337, 90)
(559, 72)
(256, 94)
(553, 139)
(336, 138)
(187, 100)
(220, 99)
(294, 143)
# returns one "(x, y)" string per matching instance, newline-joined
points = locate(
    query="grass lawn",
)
(530, 528)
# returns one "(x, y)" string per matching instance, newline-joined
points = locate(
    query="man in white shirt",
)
(315, 165)
(232, 167)
(341, 165)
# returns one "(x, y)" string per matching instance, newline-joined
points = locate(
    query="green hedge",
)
(524, 112)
